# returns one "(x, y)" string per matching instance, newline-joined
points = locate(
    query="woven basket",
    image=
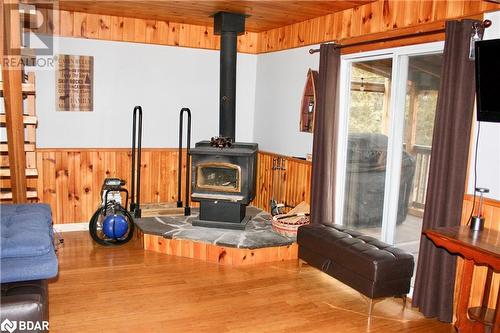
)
(288, 226)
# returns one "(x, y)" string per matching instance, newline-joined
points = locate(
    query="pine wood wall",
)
(125, 29)
(295, 181)
(70, 180)
(491, 212)
(372, 20)
(367, 22)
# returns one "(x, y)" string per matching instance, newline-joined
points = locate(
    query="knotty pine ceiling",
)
(263, 15)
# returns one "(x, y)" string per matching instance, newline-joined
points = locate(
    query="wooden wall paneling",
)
(165, 172)
(160, 33)
(261, 15)
(410, 14)
(295, 181)
(70, 180)
(61, 186)
(50, 195)
(70, 209)
(218, 254)
(92, 29)
(455, 8)
(79, 24)
(248, 41)
(39, 184)
(377, 17)
(139, 31)
(371, 17)
(116, 28)
(173, 34)
(86, 179)
(491, 210)
(425, 11)
(104, 27)
(155, 174)
(97, 176)
(66, 27)
(152, 36)
(356, 21)
(128, 29)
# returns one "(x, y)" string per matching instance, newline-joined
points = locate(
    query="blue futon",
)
(27, 250)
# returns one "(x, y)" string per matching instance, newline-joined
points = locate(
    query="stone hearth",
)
(258, 232)
(175, 235)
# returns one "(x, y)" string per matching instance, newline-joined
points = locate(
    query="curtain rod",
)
(485, 24)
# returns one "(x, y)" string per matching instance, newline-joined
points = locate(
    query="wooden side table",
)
(477, 248)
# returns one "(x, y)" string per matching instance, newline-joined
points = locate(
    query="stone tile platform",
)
(175, 235)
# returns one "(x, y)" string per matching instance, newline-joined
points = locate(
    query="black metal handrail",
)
(187, 209)
(135, 206)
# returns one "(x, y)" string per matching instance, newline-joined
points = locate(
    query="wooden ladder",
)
(30, 123)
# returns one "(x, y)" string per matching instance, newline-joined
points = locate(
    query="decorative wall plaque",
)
(74, 83)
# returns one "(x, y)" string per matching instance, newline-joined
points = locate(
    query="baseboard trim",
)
(67, 227)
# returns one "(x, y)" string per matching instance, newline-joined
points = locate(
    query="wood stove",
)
(223, 171)
(223, 182)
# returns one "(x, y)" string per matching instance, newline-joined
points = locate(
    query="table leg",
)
(496, 319)
(463, 323)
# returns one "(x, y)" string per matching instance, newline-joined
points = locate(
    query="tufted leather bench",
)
(364, 263)
(25, 300)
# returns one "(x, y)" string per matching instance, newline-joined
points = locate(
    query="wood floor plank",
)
(128, 289)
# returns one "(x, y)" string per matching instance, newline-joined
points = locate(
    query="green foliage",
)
(366, 113)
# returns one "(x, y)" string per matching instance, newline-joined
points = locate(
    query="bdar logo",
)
(8, 325)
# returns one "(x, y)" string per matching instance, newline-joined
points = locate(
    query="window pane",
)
(421, 100)
(367, 145)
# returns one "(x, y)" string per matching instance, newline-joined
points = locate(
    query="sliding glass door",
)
(366, 155)
(388, 103)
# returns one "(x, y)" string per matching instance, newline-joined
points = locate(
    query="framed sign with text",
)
(74, 83)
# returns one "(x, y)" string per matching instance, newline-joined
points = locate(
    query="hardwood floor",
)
(127, 289)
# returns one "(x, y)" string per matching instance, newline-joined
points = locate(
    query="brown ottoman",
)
(364, 263)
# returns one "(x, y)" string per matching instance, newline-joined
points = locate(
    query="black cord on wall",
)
(475, 172)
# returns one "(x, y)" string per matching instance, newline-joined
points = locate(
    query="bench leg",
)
(371, 303)
(404, 297)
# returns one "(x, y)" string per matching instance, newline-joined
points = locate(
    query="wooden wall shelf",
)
(308, 105)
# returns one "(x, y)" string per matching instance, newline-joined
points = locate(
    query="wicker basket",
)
(288, 226)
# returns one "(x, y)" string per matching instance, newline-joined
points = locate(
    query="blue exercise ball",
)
(115, 226)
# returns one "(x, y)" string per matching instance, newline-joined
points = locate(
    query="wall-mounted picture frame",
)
(75, 83)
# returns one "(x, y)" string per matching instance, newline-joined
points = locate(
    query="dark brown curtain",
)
(434, 284)
(325, 137)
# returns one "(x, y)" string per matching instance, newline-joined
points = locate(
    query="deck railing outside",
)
(422, 156)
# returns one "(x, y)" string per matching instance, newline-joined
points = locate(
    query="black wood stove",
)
(224, 171)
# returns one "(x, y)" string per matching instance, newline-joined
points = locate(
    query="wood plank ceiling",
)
(263, 15)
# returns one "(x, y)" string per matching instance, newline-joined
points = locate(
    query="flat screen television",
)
(488, 80)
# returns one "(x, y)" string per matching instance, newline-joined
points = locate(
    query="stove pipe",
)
(228, 26)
